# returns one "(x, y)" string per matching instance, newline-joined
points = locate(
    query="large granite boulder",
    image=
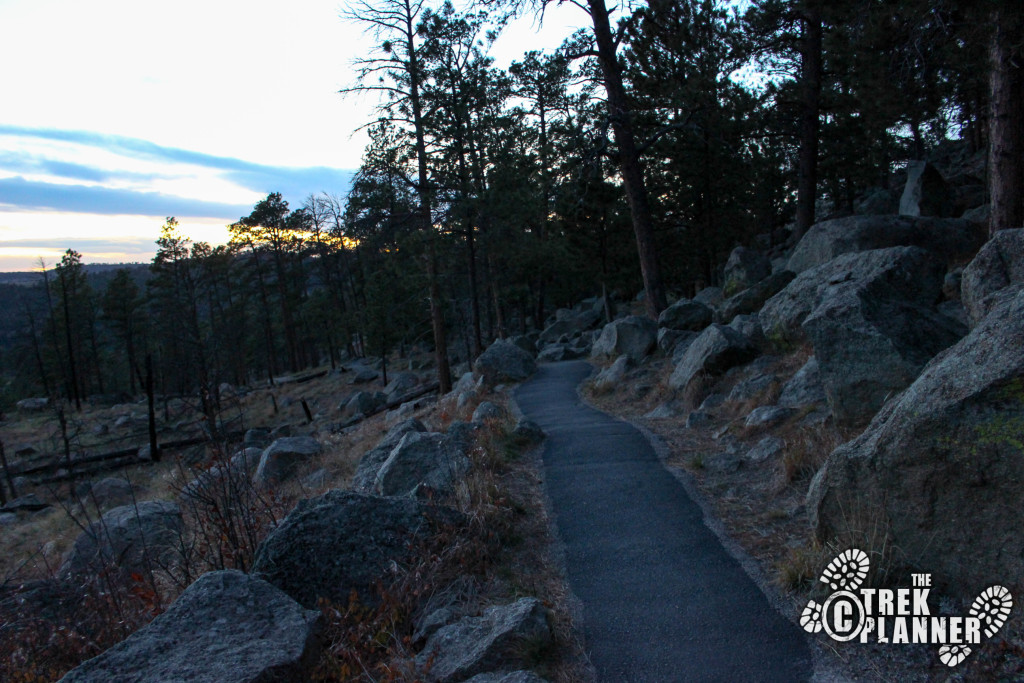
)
(870, 342)
(717, 349)
(280, 460)
(685, 315)
(926, 192)
(751, 299)
(613, 375)
(938, 473)
(951, 240)
(745, 268)
(363, 403)
(134, 539)
(226, 627)
(904, 274)
(633, 336)
(993, 274)
(422, 459)
(400, 385)
(342, 541)
(503, 361)
(365, 478)
(493, 641)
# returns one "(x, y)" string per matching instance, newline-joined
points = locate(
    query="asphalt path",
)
(661, 598)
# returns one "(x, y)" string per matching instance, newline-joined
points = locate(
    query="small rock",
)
(768, 447)
(767, 416)
(283, 456)
(528, 431)
(697, 420)
(488, 411)
(483, 644)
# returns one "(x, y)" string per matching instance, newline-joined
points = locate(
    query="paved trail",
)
(662, 600)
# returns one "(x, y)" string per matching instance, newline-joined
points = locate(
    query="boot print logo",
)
(900, 615)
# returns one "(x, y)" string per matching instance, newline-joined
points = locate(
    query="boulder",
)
(493, 641)
(926, 192)
(528, 431)
(869, 346)
(752, 388)
(745, 268)
(952, 240)
(632, 336)
(365, 477)
(766, 417)
(488, 411)
(877, 201)
(342, 541)
(554, 353)
(256, 438)
(937, 474)
(422, 459)
(525, 343)
(750, 327)
(503, 361)
(668, 339)
(685, 315)
(106, 494)
(900, 274)
(709, 296)
(362, 374)
(282, 457)
(612, 376)
(363, 403)
(717, 349)
(134, 538)
(400, 385)
(226, 627)
(751, 300)
(766, 448)
(995, 273)
(32, 405)
(804, 388)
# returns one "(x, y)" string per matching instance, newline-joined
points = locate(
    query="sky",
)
(115, 114)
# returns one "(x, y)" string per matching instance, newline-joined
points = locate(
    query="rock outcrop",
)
(342, 541)
(131, 538)
(280, 460)
(685, 315)
(717, 349)
(504, 362)
(633, 336)
(939, 469)
(422, 462)
(226, 627)
(365, 478)
(995, 273)
(491, 642)
(951, 240)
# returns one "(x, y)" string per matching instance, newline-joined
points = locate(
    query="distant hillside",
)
(29, 278)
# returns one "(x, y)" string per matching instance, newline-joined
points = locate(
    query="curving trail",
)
(662, 599)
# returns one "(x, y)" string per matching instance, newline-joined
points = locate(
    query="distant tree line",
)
(634, 157)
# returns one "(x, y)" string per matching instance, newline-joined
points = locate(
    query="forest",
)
(632, 159)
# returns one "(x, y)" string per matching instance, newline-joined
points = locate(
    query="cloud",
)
(294, 183)
(21, 194)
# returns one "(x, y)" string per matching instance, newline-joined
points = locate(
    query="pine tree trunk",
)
(629, 159)
(1005, 166)
(810, 77)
